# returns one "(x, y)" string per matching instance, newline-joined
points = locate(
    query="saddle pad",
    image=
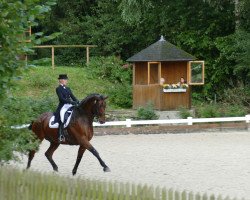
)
(64, 109)
(56, 125)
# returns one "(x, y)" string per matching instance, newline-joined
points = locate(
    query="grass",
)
(41, 82)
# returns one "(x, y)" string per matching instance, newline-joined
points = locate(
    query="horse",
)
(78, 132)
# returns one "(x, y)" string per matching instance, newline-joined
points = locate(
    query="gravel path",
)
(216, 163)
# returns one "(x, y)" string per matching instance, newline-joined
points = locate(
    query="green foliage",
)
(208, 111)
(125, 27)
(110, 68)
(220, 110)
(120, 95)
(147, 112)
(239, 96)
(15, 140)
(235, 111)
(184, 113)
(18, 111)
(15, 18)
(119, 74)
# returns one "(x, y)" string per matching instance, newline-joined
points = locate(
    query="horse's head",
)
(95, 105)
(99, 108)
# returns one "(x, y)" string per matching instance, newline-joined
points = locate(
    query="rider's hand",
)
(74, 103)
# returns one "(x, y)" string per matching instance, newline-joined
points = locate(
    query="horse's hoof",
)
(106, 169)
(73, 173)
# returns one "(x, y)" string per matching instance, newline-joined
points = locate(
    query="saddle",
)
(65, 115)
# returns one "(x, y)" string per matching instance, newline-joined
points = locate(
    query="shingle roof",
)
(161, 51)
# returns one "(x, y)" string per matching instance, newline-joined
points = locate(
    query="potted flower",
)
(174, 86)
(166, 86)
(184, 86)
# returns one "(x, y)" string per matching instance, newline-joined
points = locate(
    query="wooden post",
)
(87, 54)
(148, 73)
(53, 57)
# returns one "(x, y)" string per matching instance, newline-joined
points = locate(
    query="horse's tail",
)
(30, 126)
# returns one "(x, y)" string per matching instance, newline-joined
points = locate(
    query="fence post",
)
(128, 123)
(248, 122)
(190, 122)
(53, 57)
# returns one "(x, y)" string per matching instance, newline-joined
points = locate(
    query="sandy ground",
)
(216, 163)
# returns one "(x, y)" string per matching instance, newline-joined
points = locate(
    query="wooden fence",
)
(28, 185)
(65, 46)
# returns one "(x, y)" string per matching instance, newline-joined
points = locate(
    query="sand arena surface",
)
(215, 162)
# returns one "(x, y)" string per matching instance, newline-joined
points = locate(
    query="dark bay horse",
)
(79, 130)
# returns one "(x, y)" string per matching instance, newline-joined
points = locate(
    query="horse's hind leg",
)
(49, 153)
(31, 156)
(81, 150)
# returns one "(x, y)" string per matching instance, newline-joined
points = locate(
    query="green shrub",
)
(110, 68)
(220, 110)
(207, 111)
(184, 113)
(147, 112)
(119, 74)
(22, 110)
(235, 111)
(121, 95)
(237, 97)
(18, 111)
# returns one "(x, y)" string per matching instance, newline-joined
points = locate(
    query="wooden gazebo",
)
(164, 61)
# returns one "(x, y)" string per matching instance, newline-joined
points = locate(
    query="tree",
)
(15, 18)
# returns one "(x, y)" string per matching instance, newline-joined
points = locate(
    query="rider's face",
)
(63, 81)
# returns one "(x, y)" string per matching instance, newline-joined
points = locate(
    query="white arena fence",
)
(189, 121)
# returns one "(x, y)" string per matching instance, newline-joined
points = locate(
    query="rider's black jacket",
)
(65, 96)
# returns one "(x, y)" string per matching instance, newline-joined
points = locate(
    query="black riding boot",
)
(60, 132)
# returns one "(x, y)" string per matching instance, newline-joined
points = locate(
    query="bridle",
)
(99, 108)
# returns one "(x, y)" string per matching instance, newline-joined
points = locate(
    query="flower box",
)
(175, 90)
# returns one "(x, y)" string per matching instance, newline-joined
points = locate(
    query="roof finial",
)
(162, 38)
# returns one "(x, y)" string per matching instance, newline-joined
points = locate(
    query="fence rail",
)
(189, 121)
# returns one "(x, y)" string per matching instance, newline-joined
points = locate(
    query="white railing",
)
(188, 121)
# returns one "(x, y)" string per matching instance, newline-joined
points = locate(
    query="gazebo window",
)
(153, 72)
(196, 73)
(141, 74)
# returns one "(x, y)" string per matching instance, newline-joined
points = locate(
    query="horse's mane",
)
(91, 96)
(79, 110)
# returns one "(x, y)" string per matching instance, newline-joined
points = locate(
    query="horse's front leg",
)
(96, 154)
(81, 150)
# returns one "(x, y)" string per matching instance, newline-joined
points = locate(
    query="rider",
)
(65, 96)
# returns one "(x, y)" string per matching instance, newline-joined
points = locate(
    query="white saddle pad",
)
(62, 113)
